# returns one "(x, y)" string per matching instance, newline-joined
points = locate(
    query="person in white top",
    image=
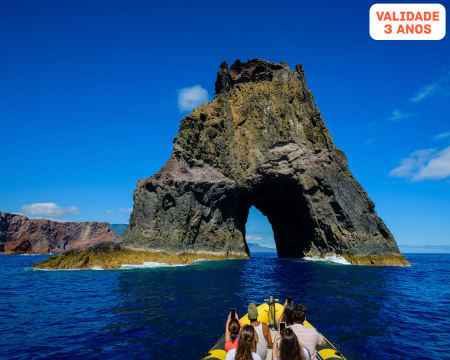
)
(246, 345)
(262, 330)
(306, 335)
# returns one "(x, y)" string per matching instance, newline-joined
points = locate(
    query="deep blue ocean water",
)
(179, 312)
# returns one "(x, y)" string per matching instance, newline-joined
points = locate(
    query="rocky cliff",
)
(261, 142)
(20, 235)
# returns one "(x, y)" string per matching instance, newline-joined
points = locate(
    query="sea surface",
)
(179, 312)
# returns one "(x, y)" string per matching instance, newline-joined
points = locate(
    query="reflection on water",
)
(179, 313)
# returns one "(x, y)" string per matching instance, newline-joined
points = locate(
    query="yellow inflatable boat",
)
(269, 313)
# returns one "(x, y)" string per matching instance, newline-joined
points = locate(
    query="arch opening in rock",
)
(287, 212)
(259, 234)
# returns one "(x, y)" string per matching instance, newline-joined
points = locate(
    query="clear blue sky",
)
(89, 100)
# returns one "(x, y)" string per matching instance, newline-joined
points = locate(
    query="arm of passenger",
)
(320, 340)
(275, 354)
(266, 333)
(227, 332)
(281, 315)
(237, 318)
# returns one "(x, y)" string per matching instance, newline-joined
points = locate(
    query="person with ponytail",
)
(287, 347)
(246, 348)
(232, 329)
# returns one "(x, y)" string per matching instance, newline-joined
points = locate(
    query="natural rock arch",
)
(262, 141)
(287, 212)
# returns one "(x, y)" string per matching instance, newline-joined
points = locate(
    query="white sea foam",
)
(151, 264)
(37, 269)
(48, 254)
(97, 268)
(145, 265)
(335, 259)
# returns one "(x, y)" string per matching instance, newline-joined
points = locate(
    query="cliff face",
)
(20, 235)
(262, 141)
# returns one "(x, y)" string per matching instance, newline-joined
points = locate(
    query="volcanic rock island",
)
(261, 142)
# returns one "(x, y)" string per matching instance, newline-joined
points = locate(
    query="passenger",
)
(287, 315)
(232, 329)
(308, 336)
(246, 346)
(261, 328)
(287, 347)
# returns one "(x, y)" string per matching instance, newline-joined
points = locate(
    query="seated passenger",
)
(287, 315)
(246, 345)
(264, 339)
(232, 329)
(287, 347)
(308, 336)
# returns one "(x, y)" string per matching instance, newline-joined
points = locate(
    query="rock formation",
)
(111, 255)
(261, 141)
(20, 235)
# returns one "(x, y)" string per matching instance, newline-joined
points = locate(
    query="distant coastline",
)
(406, 249)
(425, 249)
(119, 229)
(255, 249)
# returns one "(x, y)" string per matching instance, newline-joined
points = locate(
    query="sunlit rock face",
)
(262, 142)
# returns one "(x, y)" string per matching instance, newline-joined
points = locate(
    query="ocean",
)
(179, 312)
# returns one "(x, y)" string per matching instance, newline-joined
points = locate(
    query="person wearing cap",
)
(262, 330)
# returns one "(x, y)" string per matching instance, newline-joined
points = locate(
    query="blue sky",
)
(91, 97)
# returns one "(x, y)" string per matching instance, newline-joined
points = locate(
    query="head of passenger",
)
(246, 343)
(234, 327)
(299, 314)
(252, 312)
(288, 314)
(290, 348)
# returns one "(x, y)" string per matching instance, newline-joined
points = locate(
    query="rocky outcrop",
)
(261, 142)
(20, 235)
(110, 255)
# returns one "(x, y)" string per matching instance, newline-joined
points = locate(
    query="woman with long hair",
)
(246, 346)
(287, 315)
(287, 347)
(232, 329)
